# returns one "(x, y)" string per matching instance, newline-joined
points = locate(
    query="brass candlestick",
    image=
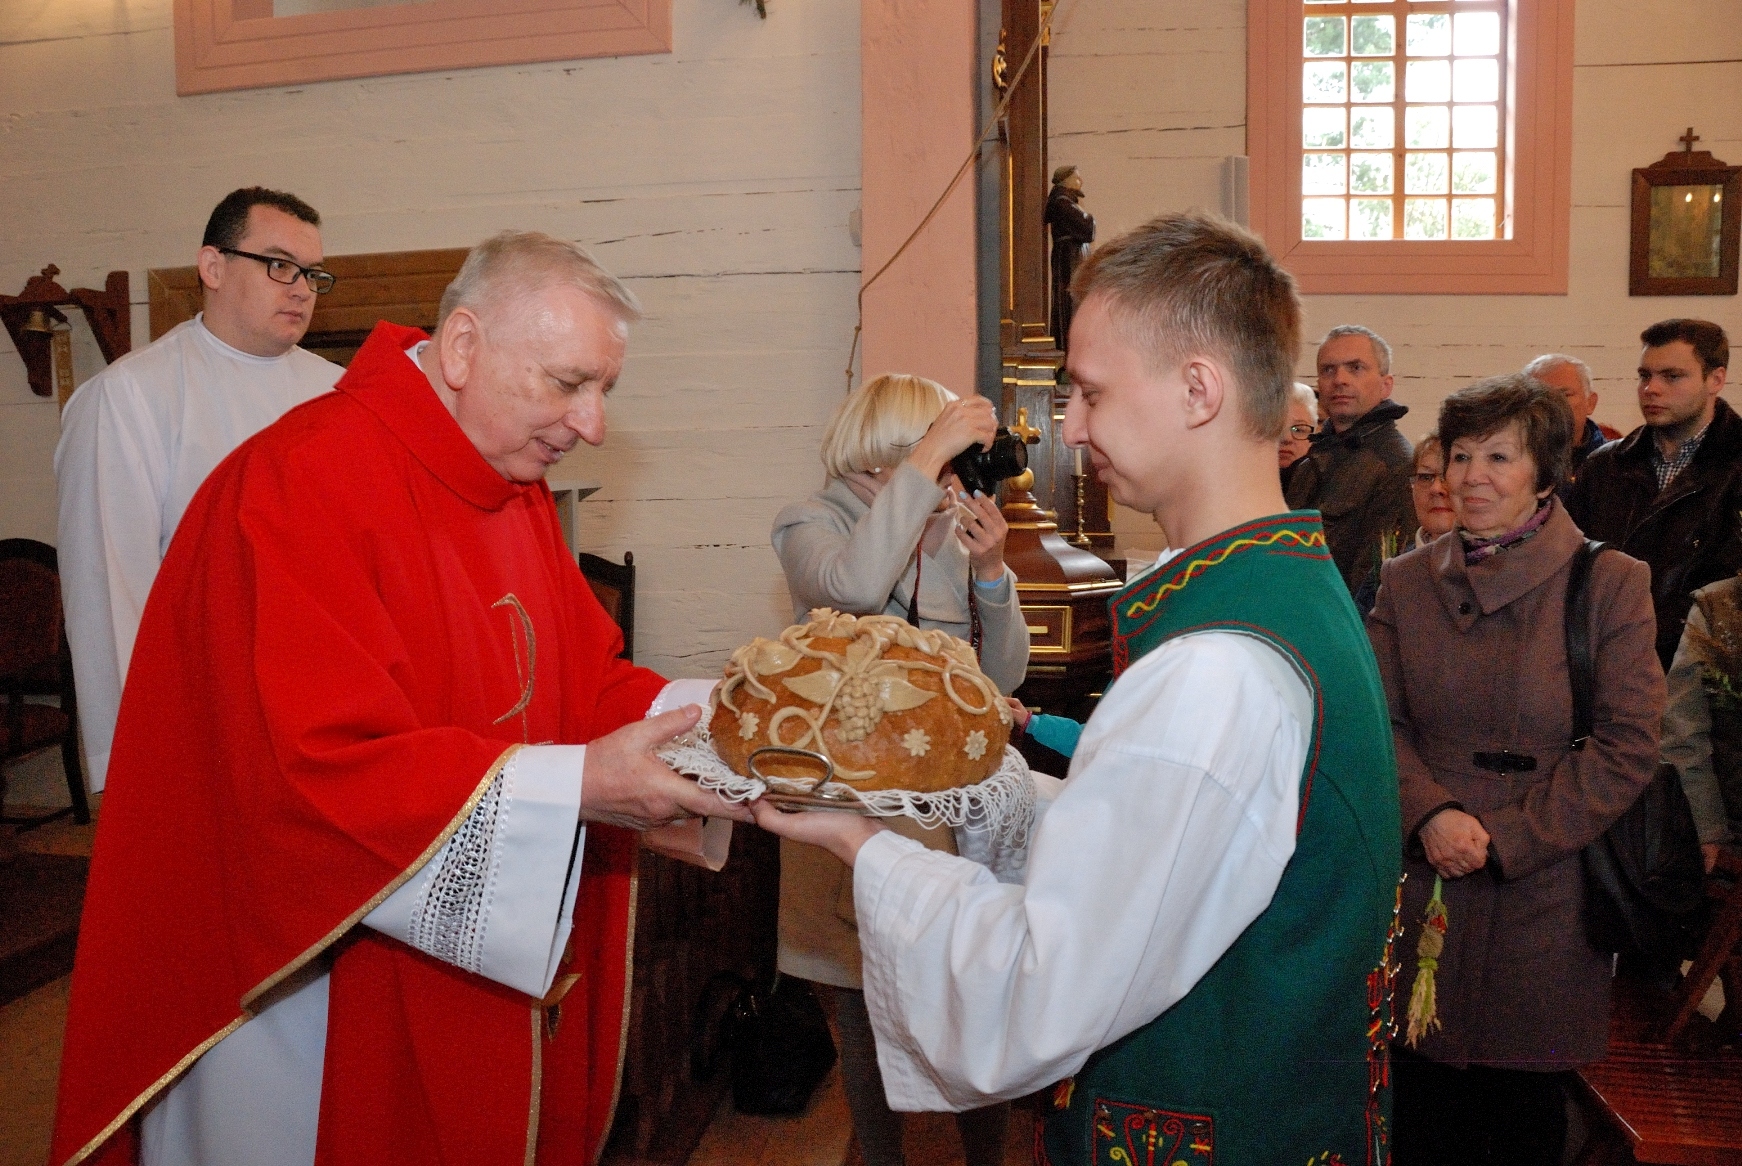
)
(1081, 538)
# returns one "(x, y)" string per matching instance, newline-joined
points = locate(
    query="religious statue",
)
(1073, 229)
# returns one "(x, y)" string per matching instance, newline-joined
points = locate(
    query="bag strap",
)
(975, 632)
(1580, 670)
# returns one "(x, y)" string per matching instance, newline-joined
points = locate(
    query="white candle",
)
(1077, 460)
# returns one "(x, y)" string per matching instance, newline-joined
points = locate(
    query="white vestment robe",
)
(136, 441)
(1166, 841)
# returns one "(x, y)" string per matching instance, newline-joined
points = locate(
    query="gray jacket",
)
(838, 552)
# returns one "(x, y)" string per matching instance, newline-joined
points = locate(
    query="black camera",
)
(982, 469)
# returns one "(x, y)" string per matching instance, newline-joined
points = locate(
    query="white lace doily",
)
(1002, 804)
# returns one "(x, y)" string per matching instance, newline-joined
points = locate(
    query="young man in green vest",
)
(1199, 951)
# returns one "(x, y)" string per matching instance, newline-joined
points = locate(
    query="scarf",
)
(866, 487)
(1477, 549)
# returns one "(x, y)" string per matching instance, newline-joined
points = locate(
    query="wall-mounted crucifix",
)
(1687, 221)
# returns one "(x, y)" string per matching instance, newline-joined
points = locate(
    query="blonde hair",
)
(880, 422)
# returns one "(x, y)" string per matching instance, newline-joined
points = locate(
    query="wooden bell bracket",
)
(27, 317)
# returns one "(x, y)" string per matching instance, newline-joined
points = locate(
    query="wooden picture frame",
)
(239, 44)
(1687, 222)
(404, 287)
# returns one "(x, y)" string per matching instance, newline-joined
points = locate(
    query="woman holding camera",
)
(891, 533)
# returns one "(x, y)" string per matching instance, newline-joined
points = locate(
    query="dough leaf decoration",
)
(818, 687)
(773, 657)
(894, 693)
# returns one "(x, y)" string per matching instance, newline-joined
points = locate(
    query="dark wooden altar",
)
(1060, 519)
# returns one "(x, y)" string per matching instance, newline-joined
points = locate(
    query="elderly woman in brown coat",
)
(1469, 632)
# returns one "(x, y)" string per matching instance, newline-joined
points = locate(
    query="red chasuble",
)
(356, 625)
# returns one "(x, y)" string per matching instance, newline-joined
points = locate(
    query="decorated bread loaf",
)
(893, 706)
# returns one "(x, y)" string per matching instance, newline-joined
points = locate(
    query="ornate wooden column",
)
(1062, 585)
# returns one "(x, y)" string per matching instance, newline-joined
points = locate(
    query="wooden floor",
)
(30, 1030)
(30, 1038)
(30, 1042)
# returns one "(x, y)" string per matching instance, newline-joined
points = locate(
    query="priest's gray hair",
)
(513, 263)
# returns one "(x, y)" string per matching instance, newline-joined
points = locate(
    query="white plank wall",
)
(717, 180)
(1147, 98)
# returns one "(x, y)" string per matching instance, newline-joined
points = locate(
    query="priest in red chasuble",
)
(361, 889)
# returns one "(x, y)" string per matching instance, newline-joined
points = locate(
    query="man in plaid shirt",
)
(1670, 492)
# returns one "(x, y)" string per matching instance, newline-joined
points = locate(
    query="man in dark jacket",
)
(1357, 472)
(1670, 492)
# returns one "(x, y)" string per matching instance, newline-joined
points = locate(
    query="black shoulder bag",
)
(1643, 875)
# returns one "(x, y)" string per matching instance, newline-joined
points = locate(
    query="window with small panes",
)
(1403, 120)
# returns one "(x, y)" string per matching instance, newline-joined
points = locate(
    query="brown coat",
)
(1474, 660)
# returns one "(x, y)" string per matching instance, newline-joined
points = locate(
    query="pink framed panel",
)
(239, 44)
(1539, 149)
(917, 86)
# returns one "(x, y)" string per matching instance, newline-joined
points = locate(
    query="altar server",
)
(138, 438)
(362, 882)
(1199, 951)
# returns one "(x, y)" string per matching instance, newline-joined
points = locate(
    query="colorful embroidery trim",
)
(1136, 1135)
(1313, 541)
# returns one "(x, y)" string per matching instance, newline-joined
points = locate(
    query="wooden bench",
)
(1655, 1102)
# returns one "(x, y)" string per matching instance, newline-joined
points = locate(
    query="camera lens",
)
(982, 469)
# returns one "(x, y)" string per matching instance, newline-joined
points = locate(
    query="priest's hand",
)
(838, 832)
(624, 784)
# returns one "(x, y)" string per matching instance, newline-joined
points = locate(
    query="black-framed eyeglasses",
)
(287, 271)
(1300, 431)
(1424, 479)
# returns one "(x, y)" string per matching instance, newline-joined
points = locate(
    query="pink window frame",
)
(1538, 181)
(239, 44)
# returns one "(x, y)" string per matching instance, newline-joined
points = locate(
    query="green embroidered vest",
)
(1277, 1057)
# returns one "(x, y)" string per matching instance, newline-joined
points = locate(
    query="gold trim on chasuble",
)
(297, 963)
(546, 1014)
(628, 998)
(528, 676)
(537, 1084)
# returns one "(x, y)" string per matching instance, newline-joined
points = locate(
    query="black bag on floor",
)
(776, 1035)
(1643, 876)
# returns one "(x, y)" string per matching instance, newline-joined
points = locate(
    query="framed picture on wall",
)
(1687, 222)
(252, 44)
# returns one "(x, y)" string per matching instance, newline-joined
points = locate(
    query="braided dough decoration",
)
(892, 705)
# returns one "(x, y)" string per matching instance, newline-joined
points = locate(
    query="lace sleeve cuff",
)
(498, 898)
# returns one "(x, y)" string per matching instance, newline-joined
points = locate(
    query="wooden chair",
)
(614, 584)
(1724, 891)
(35, 661)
